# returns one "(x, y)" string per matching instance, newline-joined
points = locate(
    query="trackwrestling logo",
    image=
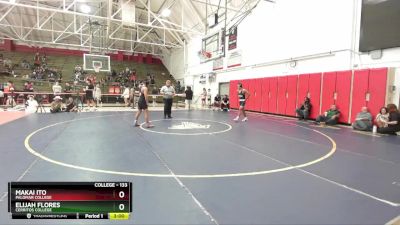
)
(189, 126)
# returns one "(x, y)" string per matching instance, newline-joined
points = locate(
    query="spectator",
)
(97, 95)
(188, 97)
(217, 102)
(28, 87)
(152, 80)
(67, 89)
(209, 97)
(1, 96)
(56, 105)
(154, 91)
(132, 96)
(304, 109)
(70, 106)
(10, 102)
(178, 87)
(363, 120)
(203, 97)
(57, 89)
(31, 105)
(330, 117)
(393, 125)
(225, 104)
(11, 86)
(36, 60)
(125, 96)
(382, 118)
(89, 94)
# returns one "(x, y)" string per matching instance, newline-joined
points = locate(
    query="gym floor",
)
(203, 168)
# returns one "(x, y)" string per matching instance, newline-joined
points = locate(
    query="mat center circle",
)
(186, 126)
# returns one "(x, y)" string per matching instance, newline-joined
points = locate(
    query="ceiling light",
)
(166, 12)
(12, 1)
(85, 8)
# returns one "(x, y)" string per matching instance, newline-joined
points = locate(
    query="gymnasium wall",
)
(321, 35)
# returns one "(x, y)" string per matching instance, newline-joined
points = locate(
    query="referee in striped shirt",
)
(168, 92)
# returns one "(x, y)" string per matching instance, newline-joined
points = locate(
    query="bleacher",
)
(66, 65)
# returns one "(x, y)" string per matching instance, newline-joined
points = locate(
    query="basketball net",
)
(204, 55)
(96, 69)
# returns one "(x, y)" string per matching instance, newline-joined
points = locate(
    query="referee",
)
(168, 92)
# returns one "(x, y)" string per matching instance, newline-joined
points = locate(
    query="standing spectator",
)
(178, 87)
(36, 60)
(125, 95)
(393, 125)
(188, 97)
(97, 95)
(209, 98)
(203, 97)
(57, 89)
(67, 89)
(225, 104)
(31, 105)
(152, 80)
(363, 120)
(382, 118)
(304, 109)
(89, 94)
(132, 96)
(168, 92)
(330, 117)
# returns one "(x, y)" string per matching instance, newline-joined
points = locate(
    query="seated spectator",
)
(304, 111)
(56, 105)
(188, 97)
(10, 102)
(57, 89)
(28, 87)
(152, 80)
(393, 125)
(330, 117)
(225, 104)
(363, 120)
(125, 95)
(70, 105)
(154, 91)
(382, 118)
(217, 102)
(31, 105)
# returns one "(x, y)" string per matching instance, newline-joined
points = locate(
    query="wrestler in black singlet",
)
(142, 104)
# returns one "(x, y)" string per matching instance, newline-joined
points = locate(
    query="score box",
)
(66, 199)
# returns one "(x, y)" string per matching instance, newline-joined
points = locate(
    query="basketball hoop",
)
(204, 55)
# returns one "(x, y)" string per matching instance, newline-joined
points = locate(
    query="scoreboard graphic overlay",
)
(70, 200)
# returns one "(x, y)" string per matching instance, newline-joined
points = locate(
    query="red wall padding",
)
(314, 89)
(273, 92)
(377, 89)
(281, 98)
(360, 90)
(291, 95)
(343, 90)
(265, 95)
(233, 98)
(328, 90)
(302, 88)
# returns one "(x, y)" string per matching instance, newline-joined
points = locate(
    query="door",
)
(343, 87)
(377, 90)
(291, 95)
(303, 88)
(265, 95)
(328, 90)
(314, 91)
(273, 91)
(257, 95)
(281, 98)
(233, 101)
(360, 90)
